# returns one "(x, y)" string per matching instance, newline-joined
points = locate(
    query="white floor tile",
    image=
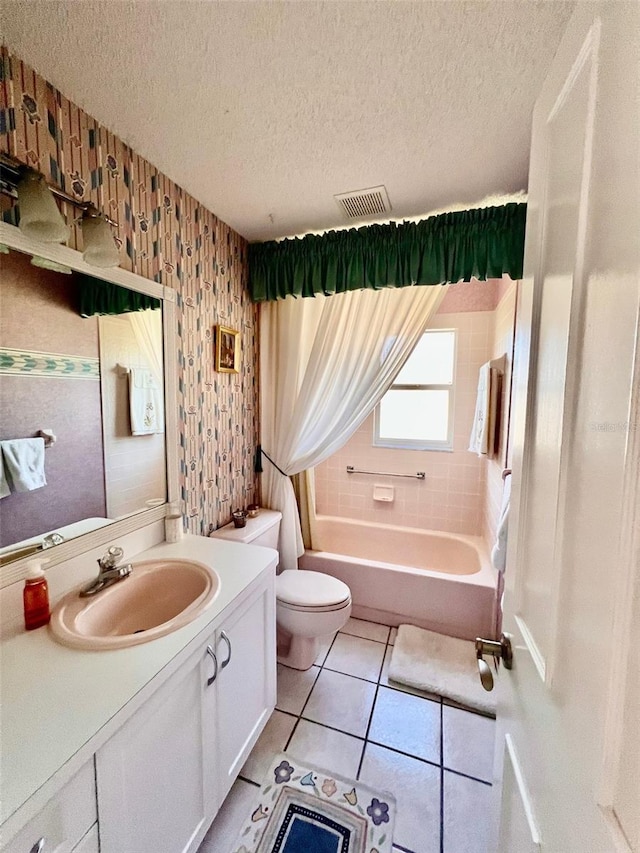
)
(294, 686)
(356, 656)
(384, 680)
(416, 787)
(392, 636)
(324, 644)
(272, 740)
(325, 748)
(407, 723)
(341, 702)
(225, 828)
(468, 743)
(469, 814)
(368, 630)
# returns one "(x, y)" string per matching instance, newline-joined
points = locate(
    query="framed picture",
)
(227, 350)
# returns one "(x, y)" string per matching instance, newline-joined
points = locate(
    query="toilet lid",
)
(310, 589)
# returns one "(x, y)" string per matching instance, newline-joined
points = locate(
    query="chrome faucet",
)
(52, 539)
(110, 572)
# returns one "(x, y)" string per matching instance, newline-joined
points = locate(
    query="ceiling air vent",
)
(360, 203)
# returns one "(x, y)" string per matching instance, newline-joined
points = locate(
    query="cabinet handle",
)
(38, 847)
(224, 637)
(213, 657)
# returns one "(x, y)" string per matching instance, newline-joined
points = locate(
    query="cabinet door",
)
(63, 821)
(246, 683)
(153, 794)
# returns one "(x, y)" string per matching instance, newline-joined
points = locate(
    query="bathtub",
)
(439, 581)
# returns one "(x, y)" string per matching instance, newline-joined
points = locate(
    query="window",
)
(417, 411)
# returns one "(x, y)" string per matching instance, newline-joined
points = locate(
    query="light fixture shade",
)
(100, 249)
(39, 214)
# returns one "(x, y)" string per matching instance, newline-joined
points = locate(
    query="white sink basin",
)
(158, 597)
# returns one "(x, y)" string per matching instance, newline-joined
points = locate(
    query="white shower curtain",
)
(326, 362)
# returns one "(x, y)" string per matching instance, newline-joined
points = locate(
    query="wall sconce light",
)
(100, 248)
(40, 218)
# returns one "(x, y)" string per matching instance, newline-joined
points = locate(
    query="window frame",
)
(445, 445)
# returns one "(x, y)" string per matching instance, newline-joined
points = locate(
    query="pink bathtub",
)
(439, 581)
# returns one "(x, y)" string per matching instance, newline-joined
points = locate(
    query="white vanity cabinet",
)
(163, 776)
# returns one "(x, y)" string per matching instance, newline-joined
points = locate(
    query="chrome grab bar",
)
(419, 475)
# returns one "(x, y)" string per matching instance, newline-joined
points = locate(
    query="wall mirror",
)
(98, 393)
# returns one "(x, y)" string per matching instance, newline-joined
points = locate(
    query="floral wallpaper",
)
(167, 236)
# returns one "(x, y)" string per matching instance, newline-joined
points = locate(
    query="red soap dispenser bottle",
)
(36, 596)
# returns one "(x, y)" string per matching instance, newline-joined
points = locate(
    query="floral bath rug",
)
(302, 809)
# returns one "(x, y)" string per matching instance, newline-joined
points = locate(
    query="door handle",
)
(213, 657)
(500, 650)
(226, 661)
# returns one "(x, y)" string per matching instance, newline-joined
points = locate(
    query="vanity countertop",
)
(60, 704)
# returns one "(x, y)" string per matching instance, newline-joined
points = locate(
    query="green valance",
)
(482, 243)
(96, 296)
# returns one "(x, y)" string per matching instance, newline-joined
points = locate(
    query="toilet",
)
(309, 605)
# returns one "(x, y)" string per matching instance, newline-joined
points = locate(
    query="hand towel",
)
(24, 463)
(479, 440)
(146, 402)
(4, 483)
(499, 550)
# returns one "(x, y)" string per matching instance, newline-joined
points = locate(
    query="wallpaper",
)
(167, 236)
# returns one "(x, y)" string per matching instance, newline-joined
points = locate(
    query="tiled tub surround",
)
(451, 496)
(343, 715)
(438, 581)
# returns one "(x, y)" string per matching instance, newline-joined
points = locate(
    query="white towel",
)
(4, 483)
(479, 440)
(146, 403)
(499, 550)
(24, 463)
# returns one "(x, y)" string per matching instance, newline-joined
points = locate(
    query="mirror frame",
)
(12, 237)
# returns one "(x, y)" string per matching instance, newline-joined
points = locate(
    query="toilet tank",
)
(261, 530)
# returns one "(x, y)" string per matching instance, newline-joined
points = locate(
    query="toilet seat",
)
(330, 608)
(311, 591)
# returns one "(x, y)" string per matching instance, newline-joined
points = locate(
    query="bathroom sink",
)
(158, 597)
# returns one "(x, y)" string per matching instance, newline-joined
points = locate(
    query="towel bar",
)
(49, 437)
(419, 475)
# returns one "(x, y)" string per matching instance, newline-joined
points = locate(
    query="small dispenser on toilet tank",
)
(262, 529)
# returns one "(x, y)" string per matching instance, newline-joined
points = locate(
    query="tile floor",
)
(344, 715)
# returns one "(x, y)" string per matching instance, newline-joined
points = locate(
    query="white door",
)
(569, 710)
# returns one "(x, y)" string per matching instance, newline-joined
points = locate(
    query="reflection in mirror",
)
(96, 383)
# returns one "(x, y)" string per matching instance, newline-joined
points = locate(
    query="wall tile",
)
(451, 497)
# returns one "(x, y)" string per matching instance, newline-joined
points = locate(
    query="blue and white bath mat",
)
(302, 809)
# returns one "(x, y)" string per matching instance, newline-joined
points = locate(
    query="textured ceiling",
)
(264, 110)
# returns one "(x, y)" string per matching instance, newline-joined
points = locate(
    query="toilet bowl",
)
(309, 605)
